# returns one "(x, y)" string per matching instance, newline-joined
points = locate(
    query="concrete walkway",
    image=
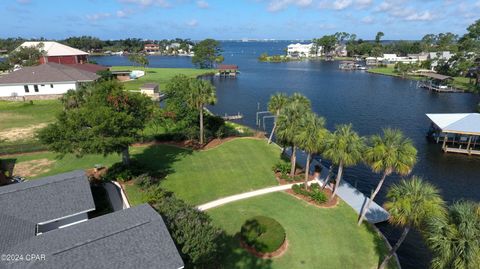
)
(245, 195)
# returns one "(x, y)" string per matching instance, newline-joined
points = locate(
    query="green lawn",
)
(317, 238)
(159, 75)
(23, 114)
(197, 177)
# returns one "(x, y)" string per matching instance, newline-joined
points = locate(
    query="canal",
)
(370, 102)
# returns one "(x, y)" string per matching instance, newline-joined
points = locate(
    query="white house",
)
(439, 55)
(42, 81)
(300, 50)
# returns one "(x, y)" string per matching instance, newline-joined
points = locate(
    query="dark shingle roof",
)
(47, 73)
(23, 205)
(132, 238)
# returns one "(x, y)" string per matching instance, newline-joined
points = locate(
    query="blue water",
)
(370, 102)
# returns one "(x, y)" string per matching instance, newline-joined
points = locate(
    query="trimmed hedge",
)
(262, 233)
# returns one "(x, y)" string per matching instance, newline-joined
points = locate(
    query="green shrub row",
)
(314, 192)
(197, 239)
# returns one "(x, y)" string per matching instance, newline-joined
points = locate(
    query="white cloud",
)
(341, 4)
(123, 13)
(146, 3)
(202, 4)
(98, 16)
(192, 23)
(424, 16)
(277, 5)
(363, 3)
(367, 20)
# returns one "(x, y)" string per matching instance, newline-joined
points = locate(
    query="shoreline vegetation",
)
(265, 58)
(461, 83)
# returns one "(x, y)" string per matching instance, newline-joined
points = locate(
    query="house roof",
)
(227, 67)
(94, 68)
(33, 202)
(53, 48)
(46, 73)
(460, 123)
(436, 76)
(131, 238)
(149, 86)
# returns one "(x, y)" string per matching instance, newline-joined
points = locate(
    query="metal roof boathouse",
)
(458, 132)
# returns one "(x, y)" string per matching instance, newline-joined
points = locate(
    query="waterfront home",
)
(301, 50)
(151, 48)
(341, 50)
(45, 81)
(458, 132)
(49, 217)
(435, 57)
(55, 52)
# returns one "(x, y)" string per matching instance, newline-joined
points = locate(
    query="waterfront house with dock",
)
(437, 83)
(458, 132)
(227, 70)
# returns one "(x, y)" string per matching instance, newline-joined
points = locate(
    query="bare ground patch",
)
(15, 134)
(33, 168)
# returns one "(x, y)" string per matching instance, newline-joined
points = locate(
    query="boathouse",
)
(437, 82)
(458, 132)
(227, 70)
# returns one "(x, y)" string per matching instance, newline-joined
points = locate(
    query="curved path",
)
(246, 195)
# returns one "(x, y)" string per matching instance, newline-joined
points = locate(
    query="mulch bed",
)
(283, 181)
(329, 204)
(277, 253)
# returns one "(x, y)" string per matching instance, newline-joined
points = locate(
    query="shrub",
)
(262, 233)
(121, 172)
(315, 192)
(318, 196)
(193, 232)
(281, 167)
(145, 180)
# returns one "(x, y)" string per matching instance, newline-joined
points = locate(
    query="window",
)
(26, 88)
(51, 86)
(35, 87)
(43, 85)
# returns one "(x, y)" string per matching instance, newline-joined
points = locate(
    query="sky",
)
(234, 19)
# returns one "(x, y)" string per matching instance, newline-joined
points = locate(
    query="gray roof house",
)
(50, 79)
(48, 217)
(48, 73)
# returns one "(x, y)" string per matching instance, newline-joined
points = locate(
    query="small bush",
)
(315, 192)
(281, 167)
(262, 233)
(318, 196)
(145, 180)
(121, 172)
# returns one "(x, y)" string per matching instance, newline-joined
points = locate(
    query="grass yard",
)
(317, 238)
(159, 75)
(25, 114)
(197, 177)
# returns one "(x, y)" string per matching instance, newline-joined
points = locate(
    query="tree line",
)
(412, 203)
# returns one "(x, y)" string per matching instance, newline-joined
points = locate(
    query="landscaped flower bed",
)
(282, 173)
(263, 237)
(314, 195)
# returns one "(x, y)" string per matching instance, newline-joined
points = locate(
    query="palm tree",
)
(392, 153)
(455, 238)
(276, 103)
(289, 124)
(311, 138)
(344, 148)
(411, 203)
(202, 92)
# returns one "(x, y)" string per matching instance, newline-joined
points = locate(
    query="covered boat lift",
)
(458, 132)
